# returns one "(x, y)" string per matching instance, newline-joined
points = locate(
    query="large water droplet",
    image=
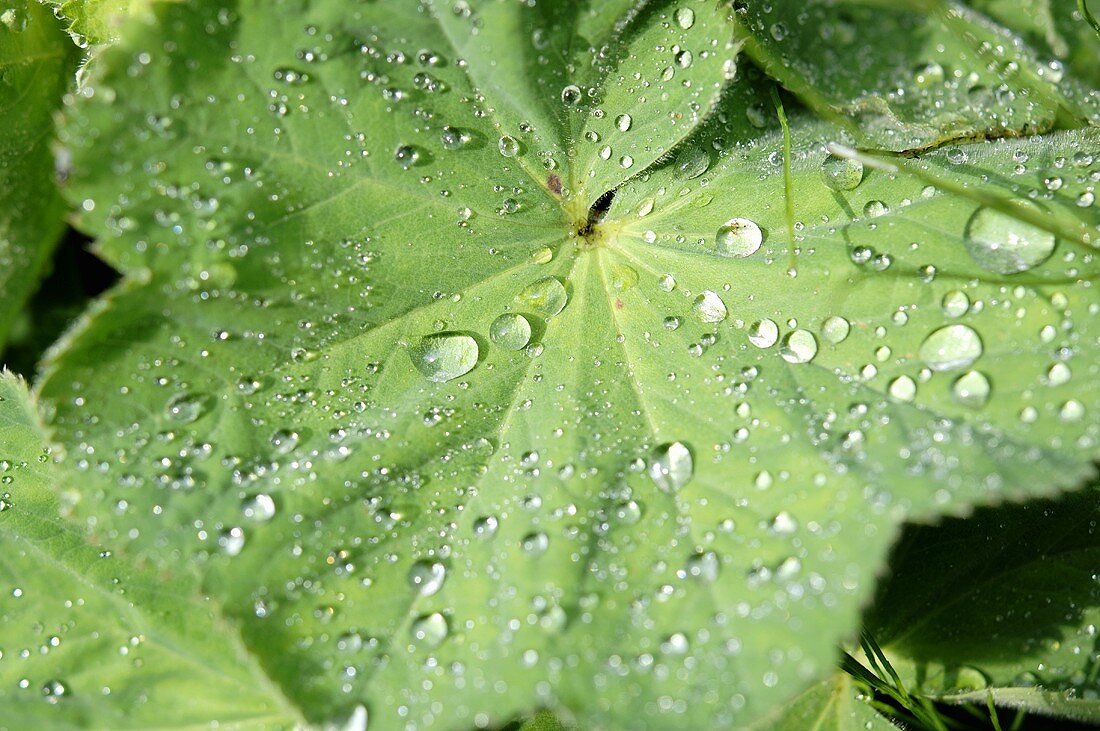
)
(999, 243)
(709, 307)
(444, 356)
(508, 146)
(510, 331)
(685, 18)
(841, 173)
(738, 237)
(903, 388)
(546, 296)
(950, 347)
(671, 467)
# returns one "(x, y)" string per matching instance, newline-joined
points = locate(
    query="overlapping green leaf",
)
(36, 66)
(1006, 603)
(446, 444)
(80, 623)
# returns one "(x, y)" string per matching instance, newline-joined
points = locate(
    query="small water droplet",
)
(763, 333)
(671, 466)
(427, 577)
(510, 331)
(955, 303)
(738, 237)
(799, 346)
(259, 507)
(903, 388)
(429, 631)
(709, 307)
(835, 329)
(508, 146)
(971, 389)
(623, 122)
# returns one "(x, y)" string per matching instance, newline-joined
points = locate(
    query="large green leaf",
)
(96, 22)
(36, 66)
(78, 623)
(830, 705)
(1007, 602)
(445, 442)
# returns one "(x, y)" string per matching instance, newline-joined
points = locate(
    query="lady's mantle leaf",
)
(448, 441)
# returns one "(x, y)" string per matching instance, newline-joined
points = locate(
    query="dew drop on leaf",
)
(1002, 244)
(623, 122)
(841, 173)
(510, 331)
(185, 407)
(763, 333)
(427, 577)
(902, 388)
(955, 303)
(971, 389)
(950, 348)
(799, 346)
(738, 237)
(429, 631)
(671, 466)
(508, 146)
(547, 296)
(259, 507)
(685, 18)
(709, 307)
(835, 329)
(444, 356)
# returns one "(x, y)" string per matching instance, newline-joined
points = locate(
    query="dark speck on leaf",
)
(553, 182)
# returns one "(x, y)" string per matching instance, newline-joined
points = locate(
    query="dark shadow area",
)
(1008, 594)
(76, 276)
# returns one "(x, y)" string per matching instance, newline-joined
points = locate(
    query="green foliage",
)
(472, 358)
(36, 61)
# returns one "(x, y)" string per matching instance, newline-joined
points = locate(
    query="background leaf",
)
(78, 623)
(36, 66)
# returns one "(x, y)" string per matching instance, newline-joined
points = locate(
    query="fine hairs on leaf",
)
(541, 365)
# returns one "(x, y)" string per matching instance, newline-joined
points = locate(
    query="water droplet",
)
(406, 156)
(874, 209)
(453, 138)
(510, 331)
(623, 122)
(738, 237)
(950, 347)
(283, 441)
(427, 577)
(955, 303)
(623, 277)
(835, 329)
(704, 567)
(1059, 374)
(1071, 410)
(429, 631)
(571, 95)
(903, 388)
(671, 466)
(685, 18)
(763, 333)
(971, 389)
(841, 173)
(709, 307)
(54, 690)
(508, 146)
(546, 296)
(259, 507)
(929, 75)
(999, 243)
(444, 356)
(536, 543)
(799, 346)
(185, 407)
